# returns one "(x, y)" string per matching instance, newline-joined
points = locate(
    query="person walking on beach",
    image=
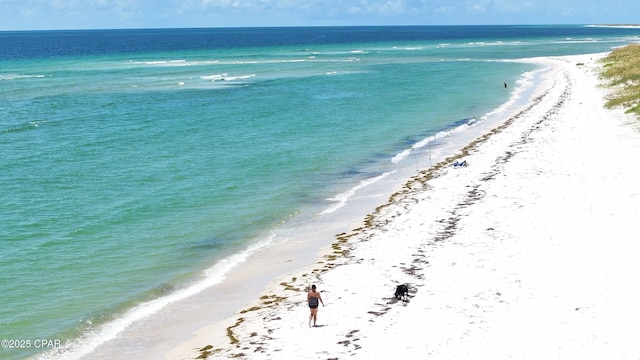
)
(313, 297)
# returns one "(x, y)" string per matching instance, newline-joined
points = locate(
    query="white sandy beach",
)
(530, 252)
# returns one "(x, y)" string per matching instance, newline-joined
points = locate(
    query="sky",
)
(127, 14)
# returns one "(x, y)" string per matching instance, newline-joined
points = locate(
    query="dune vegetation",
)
(622, 71)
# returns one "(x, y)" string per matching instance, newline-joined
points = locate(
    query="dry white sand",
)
(530, 252)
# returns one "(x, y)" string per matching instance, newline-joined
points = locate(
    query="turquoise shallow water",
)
(127, 170)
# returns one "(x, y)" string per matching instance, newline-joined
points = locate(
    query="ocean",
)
(139, 167)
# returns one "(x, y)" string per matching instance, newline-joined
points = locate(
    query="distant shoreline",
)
(616, 25)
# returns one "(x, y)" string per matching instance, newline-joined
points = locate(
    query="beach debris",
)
(458, 164)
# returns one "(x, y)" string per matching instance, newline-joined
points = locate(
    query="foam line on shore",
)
(104, 333)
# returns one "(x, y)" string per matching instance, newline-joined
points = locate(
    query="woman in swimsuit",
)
(313, 297)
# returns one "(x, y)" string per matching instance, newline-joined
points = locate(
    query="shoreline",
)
(154, 328)
(368, 260)
(331, 248)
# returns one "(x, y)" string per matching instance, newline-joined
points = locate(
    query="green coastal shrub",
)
(622, 71)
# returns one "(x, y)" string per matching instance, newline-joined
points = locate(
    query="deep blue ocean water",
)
(134, 160)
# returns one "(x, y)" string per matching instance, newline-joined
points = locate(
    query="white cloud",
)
(499, 6)
(352, 6)
(477, 7)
